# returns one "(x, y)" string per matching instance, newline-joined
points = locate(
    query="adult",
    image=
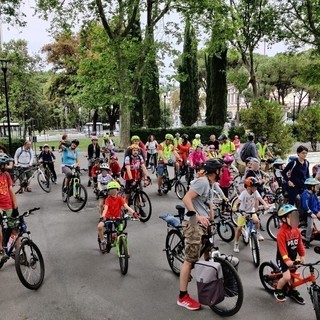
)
(151, 147)
(197, 200)
(295, 174)
(237, 143)
(196, 141)
(48, 158)
(226, 147)
(3, 149)
(137, 141)
(177, 139)
(23, 158)
(107, 146)
(249, 149)
(183, 150)
(213, 142)
(93, 153)
(263, 151)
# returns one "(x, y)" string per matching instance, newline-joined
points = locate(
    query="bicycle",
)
(174, 249)
(21, 181)
(48, 172)
(29, 262)
(168, 184)
(151, 164)
(75, 194)
(117, 238)
(270, 274)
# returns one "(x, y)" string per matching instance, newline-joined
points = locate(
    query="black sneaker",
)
(89, 183)
(295, 295)
(307, 244)
(159, 192)
(279, 295)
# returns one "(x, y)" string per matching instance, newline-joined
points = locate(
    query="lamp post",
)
(294, 107)
(165, 110)
(4, 64)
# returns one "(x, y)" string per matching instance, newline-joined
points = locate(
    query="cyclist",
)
(183, 150)
(23, 158)
(237, 143)
(177, 139)
(226, 178)
(134, 166)
(196, 140)
(211, 152)
(248, 200)
(289, 244)
(102, 181)
(213, 142)
(112, 210)
(310, 206)
(199, 200)
(256, 172)
(70, 159)
(115, 167)
(3, 149)
(196, 160)
(226, 147)
(277, 170)
(95, 170)
(249, 149)
(165, 151)
(8, 203)
(48, 158)
(93, 153)
(107, 146)
(151, 147)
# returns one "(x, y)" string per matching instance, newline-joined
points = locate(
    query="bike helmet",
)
(212, 147)
(135, 138)
(200, 145)
(251, 182)
(169, 136)
(212, 165)
(113, 185)
(285, 210)
(114, 158)
(46, 146)
(75, 141)
(228, 159)
(94, 138)
(4, 159)
(252, 159)
(177, 135)
(185, 136)
(311, 182)
(104, 166)
(222, 137)
(279, 162)
(106, 137)
(197, 136)
(134, 146)
(263, 139)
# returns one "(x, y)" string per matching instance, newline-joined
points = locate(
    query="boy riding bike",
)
(289, 244)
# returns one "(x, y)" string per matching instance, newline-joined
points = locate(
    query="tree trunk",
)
(94, 122)
(238, 109)
(253, 78)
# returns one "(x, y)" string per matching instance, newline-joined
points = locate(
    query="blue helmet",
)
(285, 210)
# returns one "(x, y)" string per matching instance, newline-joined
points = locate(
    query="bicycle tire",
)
(269, 278)
(175, 250)
(233, 288)
(180, 190)
(316, 302)
(64, 194)
(273, 225)
(141, 202)
(245, 241)
(225, 231)
(77, 202)
(123, 255)
(255, 250)
(234, 214)
(29, 265)
(18, 183)
(44, 182)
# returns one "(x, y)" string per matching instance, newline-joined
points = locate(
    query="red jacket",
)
(225, 178)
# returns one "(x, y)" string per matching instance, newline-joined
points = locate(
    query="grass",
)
(83, 145)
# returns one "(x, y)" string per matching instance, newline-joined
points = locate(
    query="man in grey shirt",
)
(199, 201)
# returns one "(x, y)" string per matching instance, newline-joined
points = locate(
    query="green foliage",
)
(15, 143)
(239, 131)
(265, 118)
(205, 132)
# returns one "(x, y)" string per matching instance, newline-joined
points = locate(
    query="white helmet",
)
(197, 136)
(104, 166)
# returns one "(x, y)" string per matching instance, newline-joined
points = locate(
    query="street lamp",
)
(165, 110)
(4, 64)
(294, 106)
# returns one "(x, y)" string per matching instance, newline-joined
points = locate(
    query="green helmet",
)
(113, 185)
(133, 138)
(285, 210)
(169, 136)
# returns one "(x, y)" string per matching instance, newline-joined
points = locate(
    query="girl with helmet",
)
(112, 210)
(115, 167)
(249, 200)
(226, 178)
(211, 152)
(289, 245)
(48, 158)
(256, 172)
(278, 165)
(310, 206)
(198, 202)
(107, 147)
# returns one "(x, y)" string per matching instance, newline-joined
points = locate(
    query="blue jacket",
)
(310, 203)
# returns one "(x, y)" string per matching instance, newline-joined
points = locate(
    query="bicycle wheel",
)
(316, 302)
(225, 230)
(269, 276)
(44, 182)
(245, 236)
(255, 250)
(123, 255)
(29, 265)
(77, 197)
(234, 214)
(175, 250)
(142, 205)
(180, 190)
(233, 296)
(19, 183)
(64, 194)
(273, 226)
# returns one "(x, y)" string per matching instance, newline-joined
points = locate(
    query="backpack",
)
(21, 151)
(244, 154)
(209, 277)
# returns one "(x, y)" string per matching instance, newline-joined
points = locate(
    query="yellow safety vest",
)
(262, 150)
(166, 150)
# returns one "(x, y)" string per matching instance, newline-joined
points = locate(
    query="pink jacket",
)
(197, 158)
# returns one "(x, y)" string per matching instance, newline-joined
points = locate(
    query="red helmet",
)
(251, 182)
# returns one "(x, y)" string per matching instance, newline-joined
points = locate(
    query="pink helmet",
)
(228, 159)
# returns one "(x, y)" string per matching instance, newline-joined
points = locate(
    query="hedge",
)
(159, 133)
(15, 143)
(239, 131)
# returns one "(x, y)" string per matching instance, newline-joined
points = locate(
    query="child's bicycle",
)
(28, 258)
(270, 274)
(175, 255)
(116, 237)
(315, 235)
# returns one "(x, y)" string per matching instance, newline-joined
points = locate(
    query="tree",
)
(188, 75)
(265, 118)
(11, 13)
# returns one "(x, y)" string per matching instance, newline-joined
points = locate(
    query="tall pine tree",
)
(188, 75)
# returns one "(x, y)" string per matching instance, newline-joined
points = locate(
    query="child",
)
(48, 158)
(311, 206)
(225, 178)
(115, 167)
(102, 181)
(249, 200)
(278, 165)
(256, 172)
(211, 152)
(95, 170)
(289, 243)
(197, 157)
(112, 209)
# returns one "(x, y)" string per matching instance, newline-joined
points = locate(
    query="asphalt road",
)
(81, 283)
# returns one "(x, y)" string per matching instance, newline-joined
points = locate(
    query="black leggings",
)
(149, 155)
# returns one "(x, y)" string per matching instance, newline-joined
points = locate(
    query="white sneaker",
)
(236, 247)
(260, 237)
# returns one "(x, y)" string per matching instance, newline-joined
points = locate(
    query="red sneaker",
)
(188, 303)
